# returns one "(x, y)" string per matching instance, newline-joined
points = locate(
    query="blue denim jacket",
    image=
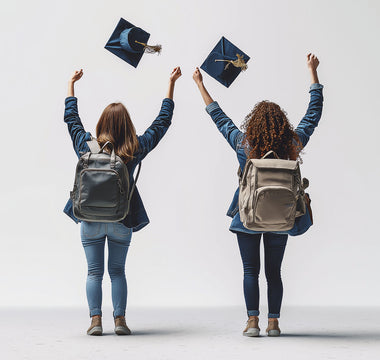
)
(137, 217)
(235, 138)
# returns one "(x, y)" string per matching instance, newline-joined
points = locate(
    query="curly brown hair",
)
(268, 128)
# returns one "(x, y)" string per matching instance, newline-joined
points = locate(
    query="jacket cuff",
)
(168, 101)
(213, 106)
(70, 98)
(316, 86)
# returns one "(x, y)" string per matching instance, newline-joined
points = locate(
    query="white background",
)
(187, 256)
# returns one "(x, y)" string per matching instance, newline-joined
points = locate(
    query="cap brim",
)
(113, 44)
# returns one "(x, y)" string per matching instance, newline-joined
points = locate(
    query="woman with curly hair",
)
(266, 128)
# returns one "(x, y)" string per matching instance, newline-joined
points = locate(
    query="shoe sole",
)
(274, 333)
(252, 332)
(96, 331)
(119, 330)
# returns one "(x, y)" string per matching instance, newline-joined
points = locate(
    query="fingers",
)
(175, 74)
(197, 76)
(311, 56)
(312, 61)
(176, 70)
(78, 74)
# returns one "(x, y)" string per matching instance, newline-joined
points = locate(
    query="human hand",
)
(175, 74)
(197, 76)
(76, 76)
(312, 61)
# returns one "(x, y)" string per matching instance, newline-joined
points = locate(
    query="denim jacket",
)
(137, 217)
(235, 138)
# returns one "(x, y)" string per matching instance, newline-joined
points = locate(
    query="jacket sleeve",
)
(313, 114)
(155, 132)
(224, 124)
(76, 130)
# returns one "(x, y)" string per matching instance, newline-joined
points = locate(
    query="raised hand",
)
(312, 61)
(76, 76)
(197, 76)
(175, 74)
(312, 64)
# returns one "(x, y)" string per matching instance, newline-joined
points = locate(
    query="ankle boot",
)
(96, 326)
(121, 327)
(273, 329)
(252, 328)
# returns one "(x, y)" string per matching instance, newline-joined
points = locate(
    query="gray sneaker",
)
(252, 328)
(273, 328)
(96, 326)
(121, 327)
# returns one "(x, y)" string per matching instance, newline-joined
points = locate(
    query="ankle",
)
(253, 317)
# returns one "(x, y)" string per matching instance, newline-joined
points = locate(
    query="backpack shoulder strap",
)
(239, 172)
(93, 145)
(134, 183)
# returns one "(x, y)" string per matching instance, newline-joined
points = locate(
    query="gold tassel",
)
(150, 49)
(239, 62)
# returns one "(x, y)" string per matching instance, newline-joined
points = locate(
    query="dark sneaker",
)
(273, 329)
(121, 327)
(252, 328)
(96, 326)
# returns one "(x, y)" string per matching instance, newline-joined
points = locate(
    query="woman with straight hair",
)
(114, 126)
(266, 128)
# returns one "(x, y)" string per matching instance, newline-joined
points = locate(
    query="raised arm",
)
(198, 78)
(224, 124)
(74, 78)
(152, 136)
(76, 130)
(314, 111)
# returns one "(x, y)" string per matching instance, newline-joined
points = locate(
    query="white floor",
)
(314, 333)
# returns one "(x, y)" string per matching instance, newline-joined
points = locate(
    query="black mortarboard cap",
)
(225, 62)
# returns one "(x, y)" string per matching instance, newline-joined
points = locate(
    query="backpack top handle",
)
(113, 155)
(98, 150)
(269, 153)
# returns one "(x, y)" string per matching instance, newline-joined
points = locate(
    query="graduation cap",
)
(129, 43)
(225, 62)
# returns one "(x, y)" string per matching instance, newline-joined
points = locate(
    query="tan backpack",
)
(271, 193)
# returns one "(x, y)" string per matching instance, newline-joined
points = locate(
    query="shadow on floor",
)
(161, 332)
(369, 336)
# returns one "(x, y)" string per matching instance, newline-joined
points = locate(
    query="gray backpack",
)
(271, 193)
(101, 189)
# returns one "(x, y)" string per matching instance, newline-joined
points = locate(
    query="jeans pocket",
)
(121, 230)
(90, 230)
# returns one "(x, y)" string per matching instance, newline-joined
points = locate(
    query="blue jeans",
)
(93, 236)
(274, 248)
